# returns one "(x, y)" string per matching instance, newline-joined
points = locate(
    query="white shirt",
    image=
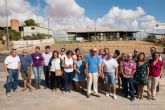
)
(62, 56)
(67, 62)
(46, 58)
(55, 64)
(110, 65)
(12, 62)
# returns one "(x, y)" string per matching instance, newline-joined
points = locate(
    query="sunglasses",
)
(79, 56)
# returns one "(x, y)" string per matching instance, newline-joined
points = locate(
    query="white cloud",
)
(18, 9)
(67, 14)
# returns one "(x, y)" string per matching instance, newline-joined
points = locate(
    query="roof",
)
(98, 30)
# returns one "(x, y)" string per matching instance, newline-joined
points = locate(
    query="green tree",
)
(13, 35)
(30, 22)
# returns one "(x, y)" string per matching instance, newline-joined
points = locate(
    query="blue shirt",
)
(92, 63)
(25, 62)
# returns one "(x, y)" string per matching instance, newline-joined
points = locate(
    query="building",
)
(34, 30)
(28, 30)
(101, 35)
(14, 24)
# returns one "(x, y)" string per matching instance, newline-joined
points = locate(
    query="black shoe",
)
(126, 96)
(132, 98)
(88, 96)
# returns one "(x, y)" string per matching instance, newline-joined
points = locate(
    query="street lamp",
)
(7, 30)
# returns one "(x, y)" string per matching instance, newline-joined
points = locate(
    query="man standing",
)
(93, 66)
(128, 69)
(110, 73)
(26, 66)
(11, 66)
(46, 58)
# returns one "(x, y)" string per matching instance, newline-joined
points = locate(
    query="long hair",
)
(55, 51)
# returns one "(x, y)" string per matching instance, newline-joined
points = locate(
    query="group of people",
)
(101, 69)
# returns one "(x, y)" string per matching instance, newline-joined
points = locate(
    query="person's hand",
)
(116, 77)
(147, 77)
(102, 76)
(87, 76)
(49, 74)
(7, 74)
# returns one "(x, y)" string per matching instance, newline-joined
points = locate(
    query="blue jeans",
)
(37, 73)
(68, 77)
(110, 78)
(12, 80)
(126, 82)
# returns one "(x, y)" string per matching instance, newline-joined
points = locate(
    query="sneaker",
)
(114, 96)
(98, 95)
(132, 98)
(148, 97)
(153, 98)
(8, 94)
(17, 90)
(107, 94)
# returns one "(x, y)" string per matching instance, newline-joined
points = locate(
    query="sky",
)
(65, 14)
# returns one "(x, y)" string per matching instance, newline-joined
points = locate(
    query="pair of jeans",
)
(12, 80)
(37, 73)
(46, 73)
(128, 82)
(68, 78)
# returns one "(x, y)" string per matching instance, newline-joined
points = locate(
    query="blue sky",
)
(98, 8)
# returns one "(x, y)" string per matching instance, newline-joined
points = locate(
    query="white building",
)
(33, 30)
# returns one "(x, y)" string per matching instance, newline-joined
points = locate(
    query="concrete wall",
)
(32, 43)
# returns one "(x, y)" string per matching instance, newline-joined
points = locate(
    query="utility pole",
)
(7, 30)
(48, 27)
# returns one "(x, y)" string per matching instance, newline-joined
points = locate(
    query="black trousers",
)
(55, 81)
(47, 78)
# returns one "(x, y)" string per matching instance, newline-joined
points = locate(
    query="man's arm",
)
(6, 69)
(86, 70)
(116, 73)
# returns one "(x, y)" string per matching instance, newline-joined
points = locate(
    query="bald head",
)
(129, 56)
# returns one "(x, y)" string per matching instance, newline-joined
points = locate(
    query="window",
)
(32, 28)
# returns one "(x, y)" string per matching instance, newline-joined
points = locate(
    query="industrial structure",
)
(101, 35)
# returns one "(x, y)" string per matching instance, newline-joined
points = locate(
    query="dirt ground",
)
(46, 100)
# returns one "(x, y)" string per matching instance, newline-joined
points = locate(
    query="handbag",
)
(58, 72)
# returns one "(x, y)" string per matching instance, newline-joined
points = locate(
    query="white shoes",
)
(114, 96)
(8, 94)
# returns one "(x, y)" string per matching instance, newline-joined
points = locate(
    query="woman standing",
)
(120, 76)
(79, 76)
(37, 66)
(68, 71)
(55, 65)
(155, 66)
(142, 71)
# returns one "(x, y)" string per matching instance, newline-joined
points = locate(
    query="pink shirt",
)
(128, 67)
(155, 69)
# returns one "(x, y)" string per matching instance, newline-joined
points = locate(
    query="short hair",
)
(153, 56)
(77, 49)
(13, 49)
(153, 48)
(69, 51)
(37, 47)
(106, 48)
(47, 47)
(117, 52)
